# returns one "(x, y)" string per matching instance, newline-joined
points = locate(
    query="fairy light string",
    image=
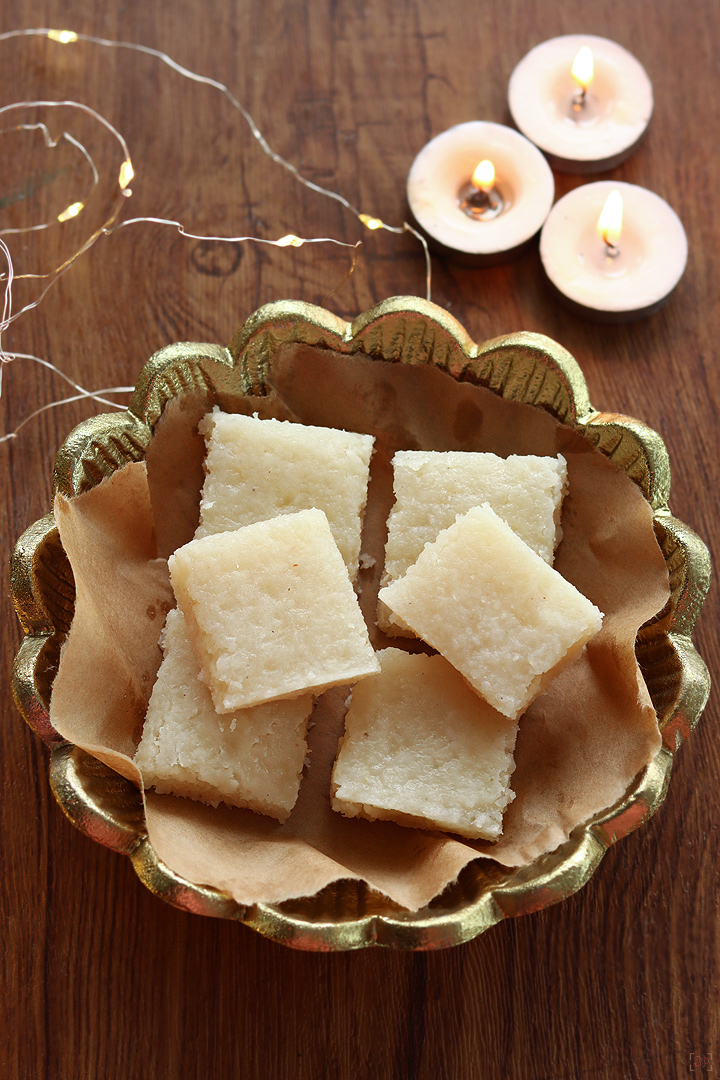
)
(51, 144)
(67, 214)
(370, 221)
(125, 177)
(111, 224)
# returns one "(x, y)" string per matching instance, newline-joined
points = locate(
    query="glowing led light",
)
(609, 224)
(582, 68)
(484, 176)
(371, 222)
(72, 211)
(126, 174)
(65, 37)
(291, 240)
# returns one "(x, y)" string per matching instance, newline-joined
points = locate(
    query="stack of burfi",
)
(504, 618)
(268, 618)
(504, 621)
(267, 615)
(252, 757)
(257, 469)
(432, 488)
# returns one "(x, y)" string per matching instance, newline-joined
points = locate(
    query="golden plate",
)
(523, 367)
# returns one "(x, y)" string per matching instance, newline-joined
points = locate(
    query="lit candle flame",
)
(582, 68)
(484, 176)
(609, 224)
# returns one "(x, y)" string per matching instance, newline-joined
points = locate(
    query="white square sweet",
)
(423, 749)
(253, 757)
(432, 488)
(271, 611)
(504, 618)
(256, 469)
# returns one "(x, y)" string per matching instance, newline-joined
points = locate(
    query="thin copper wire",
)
(111, 224)
(297, 241)
(51, 144)
(94, 395)
(255, 130)
(71, 382)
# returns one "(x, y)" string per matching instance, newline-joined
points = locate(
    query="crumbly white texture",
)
(252, 758)
(423, 749)
(256, 469)
(504, 618)
(271, 611)
(433, 487)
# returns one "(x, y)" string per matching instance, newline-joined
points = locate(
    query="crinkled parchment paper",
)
(580, 744)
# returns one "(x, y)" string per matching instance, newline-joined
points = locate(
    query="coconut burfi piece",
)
(489, 604)
(423, 749)
(253, 757)
(271, 611)
(433, 487)
(257, 469)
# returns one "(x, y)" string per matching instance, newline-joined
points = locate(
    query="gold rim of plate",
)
(524, 367)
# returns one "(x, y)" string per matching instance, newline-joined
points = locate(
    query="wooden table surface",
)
(99, 979)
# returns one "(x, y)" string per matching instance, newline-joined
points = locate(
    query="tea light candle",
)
(481, 215)
(584, 100)
(613, 270)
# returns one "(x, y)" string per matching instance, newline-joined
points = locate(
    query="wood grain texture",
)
(99, 979)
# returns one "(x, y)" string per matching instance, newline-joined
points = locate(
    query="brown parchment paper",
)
(580, 744)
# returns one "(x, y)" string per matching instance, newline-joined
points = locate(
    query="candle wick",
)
(611, 250)
(483, 198)
(480, 204)
(578, 101)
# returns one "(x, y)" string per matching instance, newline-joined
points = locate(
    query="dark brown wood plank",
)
(99, 979)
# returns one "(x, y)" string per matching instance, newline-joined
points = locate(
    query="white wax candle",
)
(650, 260)
(605, 127)
(442, 171)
